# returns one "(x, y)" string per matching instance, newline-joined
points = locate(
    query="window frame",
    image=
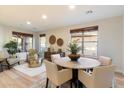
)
(83, 30)
(23, 35)
(40, 36)
(42, 50)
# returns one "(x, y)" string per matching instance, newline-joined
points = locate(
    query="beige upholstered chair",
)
(10, 60)
(105, 60)
(101, 77)
(57, 77)
(55, 56)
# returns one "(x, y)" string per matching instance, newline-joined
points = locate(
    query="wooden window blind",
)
(41, 35)
(22, 34)
(91, 28)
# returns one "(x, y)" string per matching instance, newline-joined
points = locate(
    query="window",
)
(42, 44)
(19, 40)
(87, 39)
(24, 40)
(29, 43)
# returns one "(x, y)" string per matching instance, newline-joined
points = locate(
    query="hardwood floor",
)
(15, 79)
(119, 80)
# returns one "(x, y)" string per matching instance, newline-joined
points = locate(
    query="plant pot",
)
(74, 57)
(34, 63)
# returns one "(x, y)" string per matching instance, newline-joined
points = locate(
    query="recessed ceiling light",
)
(71, 7)
(28, 22)
(44, 16)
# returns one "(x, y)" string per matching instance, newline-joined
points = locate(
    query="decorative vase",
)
(74, 57)
(33, 59)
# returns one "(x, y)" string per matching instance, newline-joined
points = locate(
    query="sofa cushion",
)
(12, 61)
(55, 56)
(22, 56)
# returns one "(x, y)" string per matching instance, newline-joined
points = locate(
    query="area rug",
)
(30, 71)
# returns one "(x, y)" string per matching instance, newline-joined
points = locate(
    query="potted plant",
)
(33, 58)
(74, 49)
(11, 47)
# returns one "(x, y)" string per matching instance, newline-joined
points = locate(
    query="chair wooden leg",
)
(71, 83)
(1, 67)
(83, 85)
(47, 81)
(57, 86)
(9, 67)
(18, 63)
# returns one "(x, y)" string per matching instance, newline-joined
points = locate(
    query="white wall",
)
(2, 34)
(59, 33)
(110, 38)
(6, 34)
(123, 46)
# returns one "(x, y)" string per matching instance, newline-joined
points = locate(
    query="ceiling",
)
(57, 15)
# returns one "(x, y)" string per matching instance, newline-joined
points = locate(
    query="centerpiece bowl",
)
(74, 57)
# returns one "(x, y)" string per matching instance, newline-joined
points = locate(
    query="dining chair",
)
(101, 77)
(55, 56)
(105, 60)
(57, 77)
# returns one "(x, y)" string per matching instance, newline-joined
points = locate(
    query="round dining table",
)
(81, 63)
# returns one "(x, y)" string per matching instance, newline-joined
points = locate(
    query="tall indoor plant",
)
(74, 48)
(11, 47)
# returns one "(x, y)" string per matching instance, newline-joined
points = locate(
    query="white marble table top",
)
(82, 63)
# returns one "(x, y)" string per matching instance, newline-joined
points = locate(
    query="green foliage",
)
(32, 53)
(11, 47)
(73, 47)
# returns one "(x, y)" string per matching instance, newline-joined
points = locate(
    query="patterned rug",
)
(24, 68)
